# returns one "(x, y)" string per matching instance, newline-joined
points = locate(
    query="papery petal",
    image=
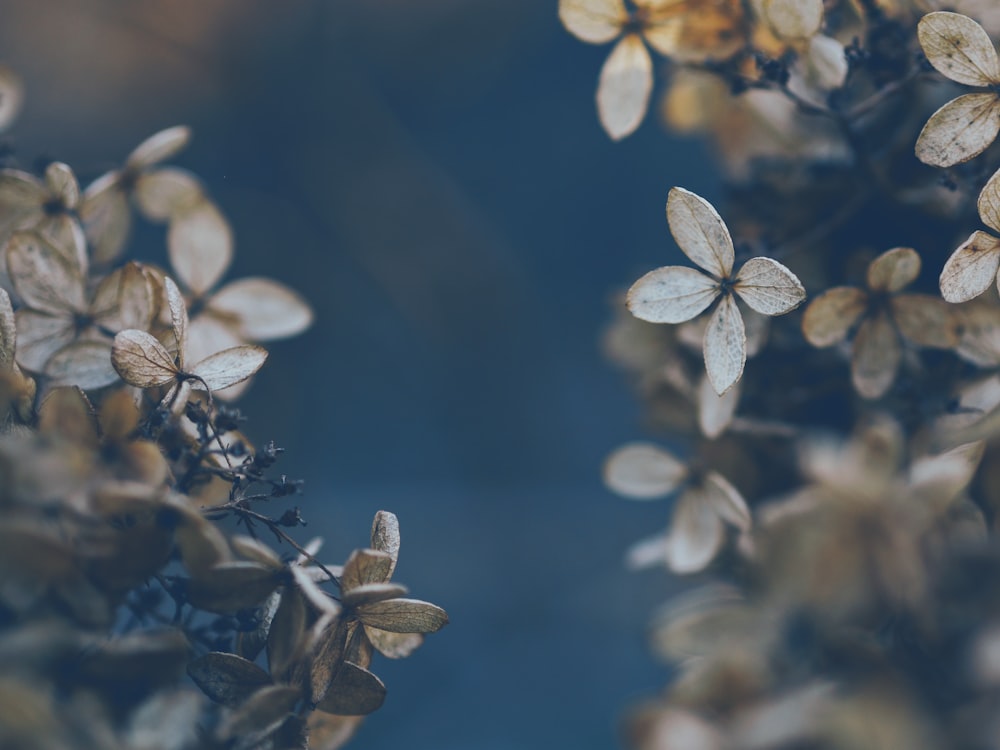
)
(159, 147)
(926, 320)
(8, 332)
(769, 287)
(62, 184)
(725, 345)
(594, 21)
(229, 367)
(700, 232)
(831, 315)
(106, 217)
(85, 364)
(672, 294)
(623, 90)
(695, 533)
(960, 130)
(65, 233)
(403, 616)
(394, 645)
(261, 309)
(39, 336)
(726, 500)
(385, 536)
(200, 244)
(642, 471)
(11, 97)
(141, 360)
(207, 335)
(893, 270)
(971, 268)
(22, 196)
(354, 692)
(959, 48)
(988, 202)
(42, 277)
(794, 19)
(365, 566)
(715, 412)
(161, 194)
(178, 316)
(876, 356)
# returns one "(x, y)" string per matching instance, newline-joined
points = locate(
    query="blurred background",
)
(432, 177)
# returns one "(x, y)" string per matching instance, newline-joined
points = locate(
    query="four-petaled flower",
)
(674, 294)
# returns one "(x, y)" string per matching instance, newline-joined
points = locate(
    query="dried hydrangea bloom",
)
(973, 266)
(884, 318)
(641, 471)
(960, 49)
(680, 29)
(144, 362)
(11, 97)
(675, 294)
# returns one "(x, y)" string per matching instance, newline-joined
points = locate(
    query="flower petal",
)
(8, 332)
(262, 310)
(394, 645)
(695, 533)
(42, 276)
(725, 346)
(989, 202)
(671, 294)
(794, 19)
(365, 566)
(39, 336)
(959, 48)
(726, 500)
(876, 356)
(403, 616)
(354, 692)
(700, 232)
(385, 537)
(229, 367)
(200, 244)
(11, 96)
(831, 315)
(893, 269)
(178, 316)
(163, 193)
(971, 268)
(141, 360)
(961, 130)
(624, 87)
(158, 147)
(594, 21)
(715, 412)
(769, 287)
(207, 335)
(926, 320)
(85, 364)
(642, 471)
(106, 217)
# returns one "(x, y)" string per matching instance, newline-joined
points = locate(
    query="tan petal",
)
(826, 62)
(86, 364)
(624, 87)
(161, 194)
(989, 202)
(695, 533)
(700, 232)
(317, 598)
(394, 645)
(141, 360)
(261, 714)
(39, 336)
(159, 147)
(207, 334)
(22, 196)
(367, 593)
(231, 586)
(671, 294)
(876, 356)
(62, 184)
(893, 269)
(768, 287)
(178, 315)
(594, 21)
(106, 217)
(11, 96)
(926, 320)
(329, 732)
(665, 34)
(365, 566)
(354, 692)
(403, 616)
(200, 244)
(971, 268)
(726, 500)
(261, 309)
(961, 130)
(8, 332)
(725, 346)
(794, 19)
(67, 413)
(227, 678)
(979, 342)
(641, 471)
(959, 48)
(715, 412)
(757, 327)
(229, 366)
(831, 315)
(937, 480)
(385, 537)
(42, 277)
(66, 235)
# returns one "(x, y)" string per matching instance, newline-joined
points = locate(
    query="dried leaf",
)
(229, 367)
(893, 270)
(261, 309)
(700, 232)
(768, 287)
(623, 89)
(141, 360)
(672, 294)
(960, 130)
(830, 316)
(876, 356)
(227, 678)
(594, 21)
(959, 48)
(329, 732)
(641, 471)
(255, 550)
(725, 345)
(355, 692)
(971, 268)
(403, 616)
(200, 244)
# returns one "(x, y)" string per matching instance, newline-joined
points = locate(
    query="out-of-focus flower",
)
(46, 206)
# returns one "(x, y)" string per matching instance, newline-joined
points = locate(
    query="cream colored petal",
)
(769, 287)
(726, 500)
(22, 196)
(8, 332)
(725, 346)
(85, 364)
(971, 268)
(876, 356)
(594, 21)
(124, 299)
(893, 269)
(641, 471)
(65, 233)
(672, 294)
(647, 553)
(826, 62)
(665, 34)
(200, 244)
(229, 367)
(262, 310)
(394, 645)
(159, 147)
(42, 277)
(979, 342)
(624, 86)
(39, 336)
(161, 194)
(141, 360)
(926, 320)
(106, 217)
(62, 184)
(794, 19)
(700, 232)
(385, 537)
(207, 335)
(178, 316)
(961, 130)
(938, 479)
(959, 48)
(695, 533)
(988, 202)
(715, 412)
(11, 96)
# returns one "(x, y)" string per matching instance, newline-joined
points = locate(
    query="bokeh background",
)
(432, 177)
